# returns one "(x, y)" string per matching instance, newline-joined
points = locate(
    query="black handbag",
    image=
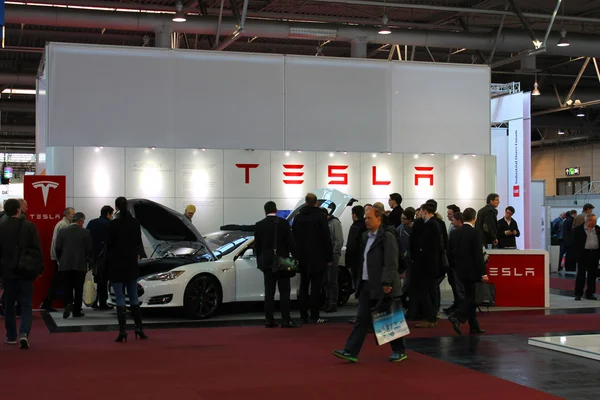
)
(30, 263)
(286, 267)
(485, 294)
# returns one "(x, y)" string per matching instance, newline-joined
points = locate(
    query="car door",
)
(249, 280)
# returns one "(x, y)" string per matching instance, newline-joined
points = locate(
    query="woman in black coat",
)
(122, 255)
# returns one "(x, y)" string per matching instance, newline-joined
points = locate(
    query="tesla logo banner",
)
(343, 176)
(46, 198)
(295, 173)
(375, 181)
(429, 177)
(247, 168)
(516, 191)
(519, 279)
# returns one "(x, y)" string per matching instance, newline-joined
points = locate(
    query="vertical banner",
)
(46, 198)
(516, 192)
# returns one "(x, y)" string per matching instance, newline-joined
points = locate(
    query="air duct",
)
(509, 40)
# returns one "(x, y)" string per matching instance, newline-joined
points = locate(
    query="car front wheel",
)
(202, 297)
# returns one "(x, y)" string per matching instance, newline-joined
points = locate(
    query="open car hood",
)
(326, 197)
(165, 229)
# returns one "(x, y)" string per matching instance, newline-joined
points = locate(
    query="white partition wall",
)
(231, 186)
(144, 97)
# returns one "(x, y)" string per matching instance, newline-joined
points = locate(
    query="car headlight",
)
(164, 276)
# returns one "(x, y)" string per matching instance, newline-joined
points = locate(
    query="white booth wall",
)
(216, 180)
(138, 97)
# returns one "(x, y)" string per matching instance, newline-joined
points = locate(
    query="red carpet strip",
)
(233, 363)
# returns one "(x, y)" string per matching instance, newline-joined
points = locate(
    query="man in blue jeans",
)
(17, 234)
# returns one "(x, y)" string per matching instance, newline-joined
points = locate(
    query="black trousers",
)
(570, 261)
(588, 264)
(74, 281)
(54, 284)
(271, 282)
(421, 290)
(364, 322)
(561, 253)
(311, 301)
(467, 310)
(102, 290)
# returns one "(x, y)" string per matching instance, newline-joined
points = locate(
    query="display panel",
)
(465, 176)
(99, 172)
(150, 173)
(199, 173)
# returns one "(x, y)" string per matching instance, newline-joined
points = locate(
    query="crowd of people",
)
(111, 246)
(398, 252)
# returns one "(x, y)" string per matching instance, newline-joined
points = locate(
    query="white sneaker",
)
(23, 342)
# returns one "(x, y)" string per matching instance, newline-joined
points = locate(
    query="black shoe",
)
(590, 297)
(78, 314)
(455, 325)
(289, 324)
(477, 331)
(67, 311)
(577, 298)
(95, 305)
(449, 310)
(139, 333)
(23, 342)
(352, 321)
(105, 307)
(271, 324)
(330, 310)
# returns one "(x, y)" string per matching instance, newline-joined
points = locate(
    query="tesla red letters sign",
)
(519, 279)
(46, 198)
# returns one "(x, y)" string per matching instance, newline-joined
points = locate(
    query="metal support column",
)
(162, 37)
(358, 49)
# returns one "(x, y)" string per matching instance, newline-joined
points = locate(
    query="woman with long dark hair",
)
(122, 255)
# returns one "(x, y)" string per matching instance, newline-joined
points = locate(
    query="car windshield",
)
(224, 242)
(323, 203)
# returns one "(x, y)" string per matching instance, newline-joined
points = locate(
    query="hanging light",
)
(384, 30)
(563, 42)
(561, 132)
(179, 14)
(536, 90)
(580, 113)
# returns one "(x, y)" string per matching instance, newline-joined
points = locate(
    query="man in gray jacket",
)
(378, 277)
(75, 252)
(337, 240)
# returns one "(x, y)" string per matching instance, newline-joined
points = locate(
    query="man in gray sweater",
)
(337, 240)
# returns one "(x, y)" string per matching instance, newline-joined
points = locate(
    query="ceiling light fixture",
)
(580, 113)
(561, 132)
(536, 90)
(179, 15)
(563, 42)
(384, 30)
(19, 91)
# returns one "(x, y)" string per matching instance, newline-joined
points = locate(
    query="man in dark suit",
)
(586, 243)
(378, 277)
(396, 215)
(75, 253)
(315, 253)
(17, 232)
(567, 230)
(508, 230)
(426, 271)
(99, 229)
(353, 256)
(487, 224)
(466, 252)
(264, 245)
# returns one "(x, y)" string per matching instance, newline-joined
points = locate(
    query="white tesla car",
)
(197, 273)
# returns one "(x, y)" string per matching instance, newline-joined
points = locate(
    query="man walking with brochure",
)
(378, 277)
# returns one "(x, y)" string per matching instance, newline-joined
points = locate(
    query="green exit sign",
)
(572, 171)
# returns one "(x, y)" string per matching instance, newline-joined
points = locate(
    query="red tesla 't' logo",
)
(247, 168)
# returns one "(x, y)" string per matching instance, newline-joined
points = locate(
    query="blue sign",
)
(2, 12)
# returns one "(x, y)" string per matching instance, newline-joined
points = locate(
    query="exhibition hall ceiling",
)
(493, 32)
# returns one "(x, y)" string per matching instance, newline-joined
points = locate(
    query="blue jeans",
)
(131, 287)
(21, 290)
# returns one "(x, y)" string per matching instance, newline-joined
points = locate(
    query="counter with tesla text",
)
(521, 277)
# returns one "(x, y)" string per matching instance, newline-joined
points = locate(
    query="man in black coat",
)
(268, 230)
(567, 230)
(353, 256)
(508, 230)
(487, 221)
(426, 271)
(315, 253)
(396, 215)
(466, 252)
(99, 229)
(378, 277)
(586, 243)
(15, 233)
